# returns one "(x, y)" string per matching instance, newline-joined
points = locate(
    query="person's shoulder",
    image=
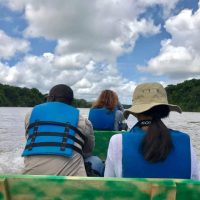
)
(81, 117)
(28, 114)
(84, 120)
(119, 112)
(116, 138)
(179, 134)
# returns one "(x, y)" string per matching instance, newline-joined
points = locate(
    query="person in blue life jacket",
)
(58, 137)
(106, 113)
(151, 149)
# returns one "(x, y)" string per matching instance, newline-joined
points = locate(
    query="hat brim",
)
(136, 109)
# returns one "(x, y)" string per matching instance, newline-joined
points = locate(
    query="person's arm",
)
(86, 128)
(26, 122)
(120, 107)
(118, 120)
(120, 123)
(194, 164)
(113, 165)
(109, 165)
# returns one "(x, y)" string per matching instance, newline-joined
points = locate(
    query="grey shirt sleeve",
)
(85, 126)
(26, 122)
(119, 119)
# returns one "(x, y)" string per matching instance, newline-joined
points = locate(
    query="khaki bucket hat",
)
(148, 95)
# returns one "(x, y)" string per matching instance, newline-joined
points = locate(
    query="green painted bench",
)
(27, 187)
(102, 139)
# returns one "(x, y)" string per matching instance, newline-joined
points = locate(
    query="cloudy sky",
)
(93, 45)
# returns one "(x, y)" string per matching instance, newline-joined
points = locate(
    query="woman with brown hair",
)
(104, 113)
(151, 149)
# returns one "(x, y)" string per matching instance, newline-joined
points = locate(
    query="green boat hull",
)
(27, 187)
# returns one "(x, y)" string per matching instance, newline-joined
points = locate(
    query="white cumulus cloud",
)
(10, 46)
(180, 55)
(90, 36)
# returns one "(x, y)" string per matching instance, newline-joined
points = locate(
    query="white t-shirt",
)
(113, 166)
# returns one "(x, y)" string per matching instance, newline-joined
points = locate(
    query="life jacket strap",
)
(65, 137)
(37, 123)
(34, 135)
(58, 144)
(59, 135)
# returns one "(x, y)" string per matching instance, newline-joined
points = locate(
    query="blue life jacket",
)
(52, 128)
(102, 118)
(176, 165)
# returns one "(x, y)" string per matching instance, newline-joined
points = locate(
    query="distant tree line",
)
(81, 103)
(12, 96)
(186, 95)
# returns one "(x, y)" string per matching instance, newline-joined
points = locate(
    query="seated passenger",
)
(150, 149)
(105, 114)
(57, 136)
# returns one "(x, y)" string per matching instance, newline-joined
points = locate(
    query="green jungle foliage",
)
(81, 103)
(11, 96)
(186, 95)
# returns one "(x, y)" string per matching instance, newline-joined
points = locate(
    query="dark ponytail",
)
(157, 143)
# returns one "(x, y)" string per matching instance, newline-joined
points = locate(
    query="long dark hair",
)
(157, 143)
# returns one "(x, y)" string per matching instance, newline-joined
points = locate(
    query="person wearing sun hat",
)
(151, 149)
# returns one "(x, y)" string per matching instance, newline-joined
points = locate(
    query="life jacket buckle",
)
(34, 135)
(66, 132)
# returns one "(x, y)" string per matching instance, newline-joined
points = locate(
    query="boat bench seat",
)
(33, 187)
(102, 139)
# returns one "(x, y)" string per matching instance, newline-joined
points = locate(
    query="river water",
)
(12, 132)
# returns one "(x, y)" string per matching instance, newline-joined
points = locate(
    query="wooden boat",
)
(29, 187)
(32, 187)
